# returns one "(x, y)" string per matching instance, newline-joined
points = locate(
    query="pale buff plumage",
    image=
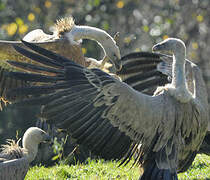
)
(15, 160)
(31, 139)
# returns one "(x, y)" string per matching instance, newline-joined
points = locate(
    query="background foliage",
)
(141, 24)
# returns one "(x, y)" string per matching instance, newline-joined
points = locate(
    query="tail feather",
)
(152, 172)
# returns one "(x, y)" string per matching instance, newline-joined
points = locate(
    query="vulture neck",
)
(87, 32)
(30, 147)
(178, 71)
(179, 87)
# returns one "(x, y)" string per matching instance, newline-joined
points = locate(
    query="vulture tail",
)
(184, 165)
(154, 173)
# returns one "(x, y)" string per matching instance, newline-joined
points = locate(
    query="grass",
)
(99, 169)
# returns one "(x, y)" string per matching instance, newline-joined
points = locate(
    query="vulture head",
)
(68, 29)
(34, 135)
(178, 87)
(31, 139)
(171, 44)
(14, 160)
(112, 52)
(65, 28)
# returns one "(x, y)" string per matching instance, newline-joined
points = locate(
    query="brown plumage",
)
(64, 25)
(55, 43)
(10, 151)
(7, 52)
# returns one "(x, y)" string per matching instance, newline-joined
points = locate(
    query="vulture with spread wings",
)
(90, 104)
(143, 71)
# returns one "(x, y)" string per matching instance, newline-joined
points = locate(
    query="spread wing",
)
(151, 70)
(89, 103)
(38, 37)
(145, 71)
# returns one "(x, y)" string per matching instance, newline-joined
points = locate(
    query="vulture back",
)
(15, 169)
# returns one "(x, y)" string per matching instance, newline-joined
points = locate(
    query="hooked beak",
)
(47, 138)
(117, 63)
(158, 47)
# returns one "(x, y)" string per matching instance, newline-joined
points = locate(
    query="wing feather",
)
(24, 64)
(140, 71)
(100, 100)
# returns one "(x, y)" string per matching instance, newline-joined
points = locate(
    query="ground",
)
(101, 170)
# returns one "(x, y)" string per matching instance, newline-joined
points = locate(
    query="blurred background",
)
(141, 24)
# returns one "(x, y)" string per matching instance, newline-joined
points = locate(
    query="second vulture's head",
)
(112, 51)
(35, 135)
(67, 28)
(173, 45)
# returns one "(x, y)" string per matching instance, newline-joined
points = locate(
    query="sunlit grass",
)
(199, 170)
(99, 169)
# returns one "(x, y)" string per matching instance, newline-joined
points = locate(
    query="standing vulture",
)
(14, 160)
(145, 71)
(170, 126)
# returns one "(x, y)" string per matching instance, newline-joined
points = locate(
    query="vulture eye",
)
(62, 33)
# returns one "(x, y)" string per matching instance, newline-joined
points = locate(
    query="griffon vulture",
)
(14, 160)
(170, 126)
(145, 71)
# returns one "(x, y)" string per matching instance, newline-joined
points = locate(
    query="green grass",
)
(99, 169)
